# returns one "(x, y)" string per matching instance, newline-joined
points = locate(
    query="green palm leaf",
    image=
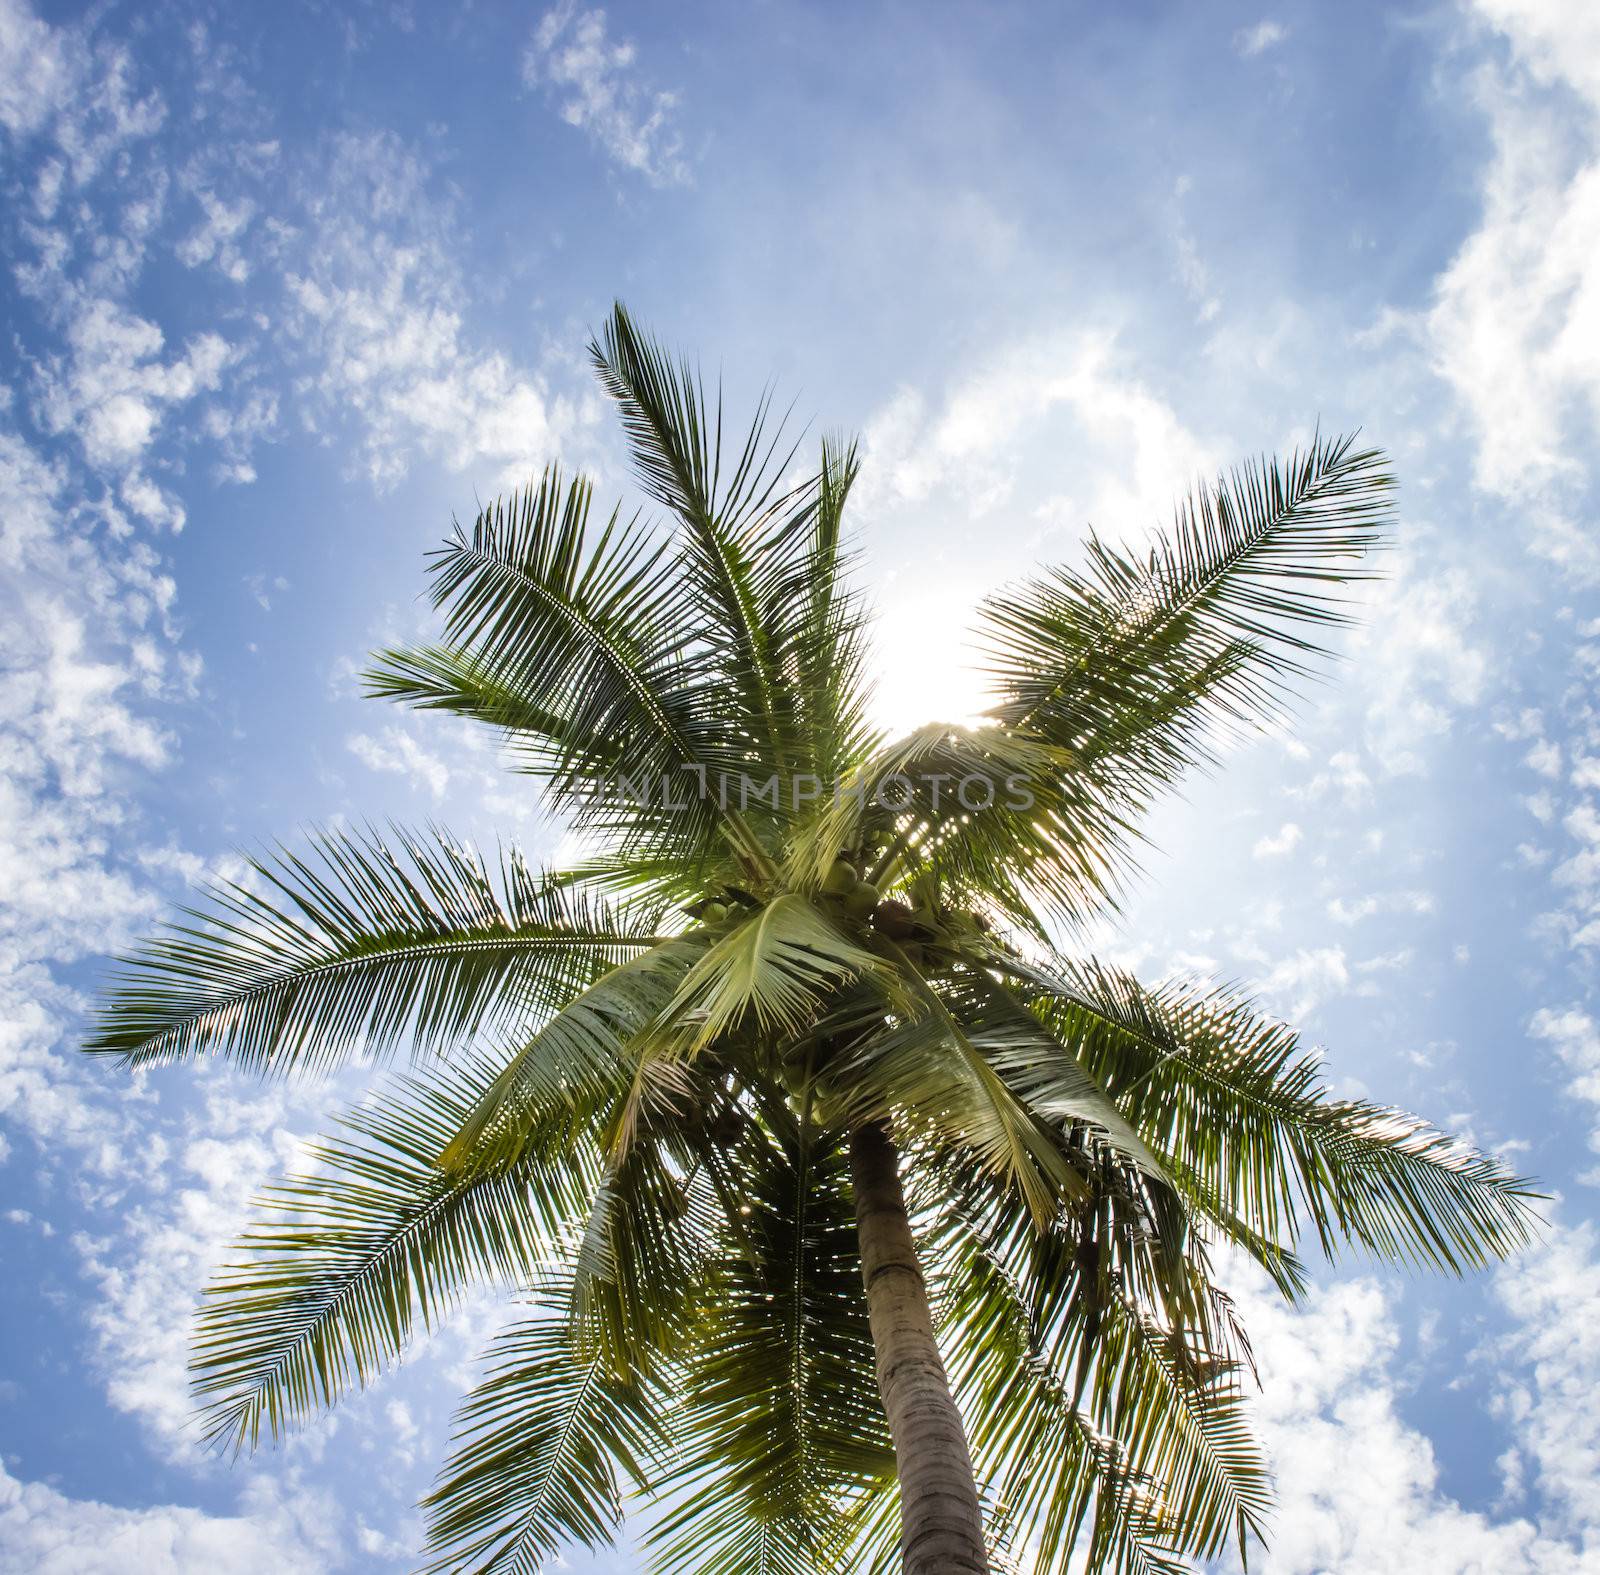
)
(585, 1051)
(578, 1393)
(539, 740)
(783, 1432)
(775, 968)
(731, 525)
(1126, 662)
(929, 1072)
(1232, 1097)
(342, 1264)
(547, 1442)
(1076, 1397)
(585, 635)
(371, 945)
(821, 627)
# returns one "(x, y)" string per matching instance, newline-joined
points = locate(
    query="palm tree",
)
(854, 1222)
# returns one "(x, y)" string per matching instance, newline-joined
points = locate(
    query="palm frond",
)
(820, 627)
(1132, 661)
(583, 637)
(927, 1069)
(982, 814)
(576, 1403)
(782, 1427)
(546, 1444)
(1087, 1408)
(371, 943)
(342, 1264)
(732, 524)
(587, 1046)
(537, 739)
(1046, 1076)
(1232, 1097)
(774, 968)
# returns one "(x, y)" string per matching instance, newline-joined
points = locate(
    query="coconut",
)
(840, 881)
(714, 913)
(893, 918)
(862, 899)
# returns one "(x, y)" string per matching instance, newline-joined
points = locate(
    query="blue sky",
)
(285, 287)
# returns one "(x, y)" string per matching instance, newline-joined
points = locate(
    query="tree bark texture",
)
(941, 1521)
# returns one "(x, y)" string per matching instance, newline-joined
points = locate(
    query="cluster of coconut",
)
(912, 925)
(859, 897)
(729, 902)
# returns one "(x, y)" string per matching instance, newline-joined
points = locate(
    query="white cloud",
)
(1359, 1490)
(1298, 984)
(1576, 1039)
(398, 1415)
(1344, 774)
(112, 390)
(1516, 325)
(1419, 657)
(597, 90)
(1342, 912)
(84, 647)
(1285, 840)
(1193, 274)
(1069, 394)
(394, 750)
(148, 1276)
(374, 300)
(1257, 40)
(29, 488)
(38, 69)
(1143, 455)
(1546, 1388)
(1545, 758)
(1557, 41)
(45, 1531)
(217, 235)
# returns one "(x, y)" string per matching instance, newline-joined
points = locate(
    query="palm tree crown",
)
(854, 1222)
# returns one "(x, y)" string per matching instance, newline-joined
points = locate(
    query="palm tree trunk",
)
(941, 1523)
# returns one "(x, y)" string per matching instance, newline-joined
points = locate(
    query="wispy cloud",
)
(375, 302)
(1513, 329)
(394, 750)
(1257, 40)
(1575, 1036)
(1331, 1390)
(596, 86)
(1405, 902)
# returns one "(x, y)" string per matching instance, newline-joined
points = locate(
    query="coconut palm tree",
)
(856, 1224)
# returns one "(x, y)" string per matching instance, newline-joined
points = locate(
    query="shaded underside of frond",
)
(782, 1430)
(578, 1401)
(1102, 1413)
(547, 1444)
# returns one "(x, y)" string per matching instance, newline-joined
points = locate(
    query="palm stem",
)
(941, 1520)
